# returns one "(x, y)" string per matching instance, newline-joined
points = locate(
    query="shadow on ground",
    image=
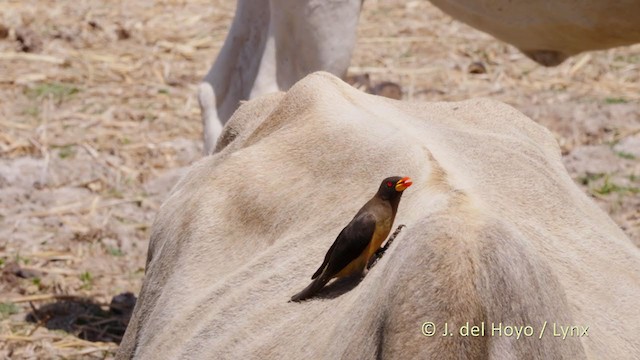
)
(86, 318)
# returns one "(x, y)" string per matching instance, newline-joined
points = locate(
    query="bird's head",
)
(392, 187)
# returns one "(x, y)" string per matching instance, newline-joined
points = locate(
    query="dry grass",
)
(100, 112)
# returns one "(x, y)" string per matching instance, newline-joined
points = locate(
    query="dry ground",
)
(98, 116)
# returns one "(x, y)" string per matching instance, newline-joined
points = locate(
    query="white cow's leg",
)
(271, 46)
(233, 74)
(313, 35)
(211, 125)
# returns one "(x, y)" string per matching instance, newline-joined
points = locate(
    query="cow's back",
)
(496, 232)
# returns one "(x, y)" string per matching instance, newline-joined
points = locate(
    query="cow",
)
(502, 256)
(273, 44)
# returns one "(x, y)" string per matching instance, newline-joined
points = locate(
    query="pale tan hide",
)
(273, 44)
(496, 231)
(549, 31)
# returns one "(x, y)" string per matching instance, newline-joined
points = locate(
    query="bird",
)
(361, 238)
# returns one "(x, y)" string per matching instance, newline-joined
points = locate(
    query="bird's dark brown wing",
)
(326, 257)
(349, 244)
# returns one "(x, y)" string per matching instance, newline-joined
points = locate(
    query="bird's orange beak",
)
(403, 183)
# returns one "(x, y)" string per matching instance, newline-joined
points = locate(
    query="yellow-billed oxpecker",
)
(361, 238)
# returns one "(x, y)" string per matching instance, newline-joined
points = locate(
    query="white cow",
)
(273, 44)
(497, 235)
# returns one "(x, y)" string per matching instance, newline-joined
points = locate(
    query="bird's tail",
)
(312, 289)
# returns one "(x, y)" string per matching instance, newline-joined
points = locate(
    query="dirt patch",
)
(99, 118)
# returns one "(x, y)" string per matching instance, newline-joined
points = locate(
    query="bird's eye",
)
(389, 184)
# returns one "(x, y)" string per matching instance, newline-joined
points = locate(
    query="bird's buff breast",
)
(380, 234)
(358, 265)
